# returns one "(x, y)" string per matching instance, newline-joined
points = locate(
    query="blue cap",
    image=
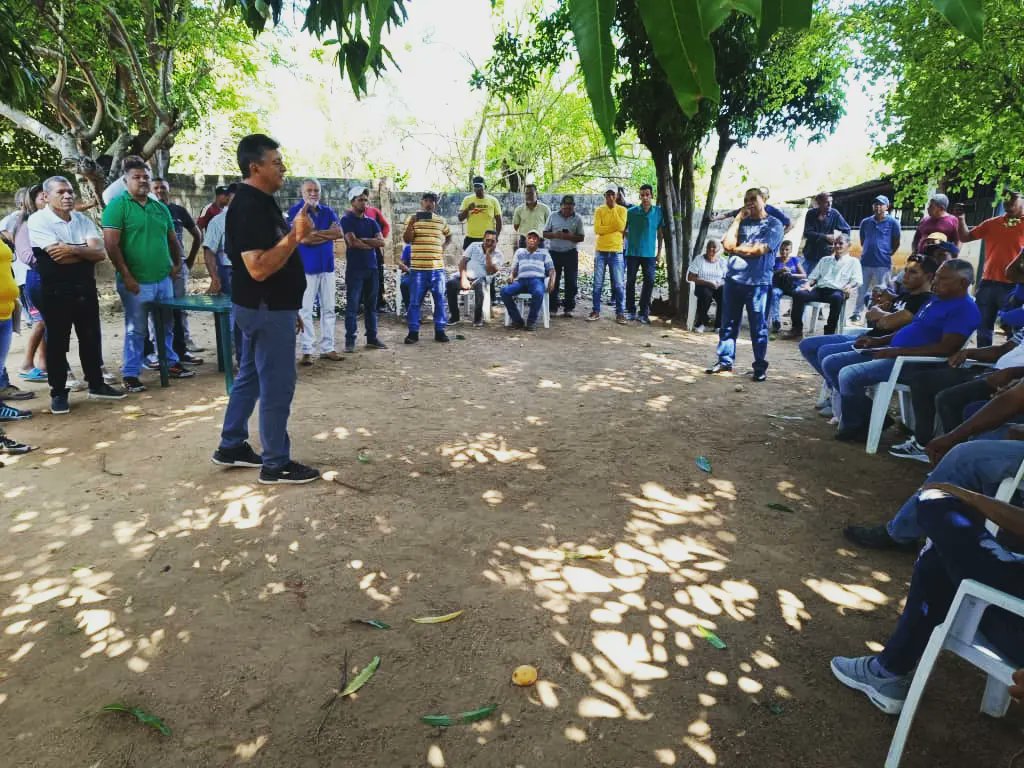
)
(881, 199)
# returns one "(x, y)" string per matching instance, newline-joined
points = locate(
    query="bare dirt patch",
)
(135, 571)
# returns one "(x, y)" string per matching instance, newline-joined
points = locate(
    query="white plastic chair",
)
(1010, 485)
(523, 302)
(467, 303)
(817, 308)
(959, 634)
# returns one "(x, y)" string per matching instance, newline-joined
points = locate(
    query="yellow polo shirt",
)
(609, 224)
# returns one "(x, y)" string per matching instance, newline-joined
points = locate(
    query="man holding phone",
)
(564, 231)
(428, 234)
(268, 282)
(481, 212)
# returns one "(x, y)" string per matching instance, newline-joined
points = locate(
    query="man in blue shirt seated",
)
(940, 329)
(752, 243)
(821, 225)
(362, 239)
(530, 266)
(879, 240)
(787, 276)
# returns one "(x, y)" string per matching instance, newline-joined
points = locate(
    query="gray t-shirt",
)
(556, 223)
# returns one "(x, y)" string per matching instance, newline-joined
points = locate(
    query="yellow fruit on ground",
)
(524, 675)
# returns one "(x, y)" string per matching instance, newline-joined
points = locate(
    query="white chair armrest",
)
(976, 364)
(904, 359)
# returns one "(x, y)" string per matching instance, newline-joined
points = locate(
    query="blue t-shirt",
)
(756, 271)
(642, 231)
(876, 241)
(361, 227)
(792, 263)
(937, 318)
(316, 258)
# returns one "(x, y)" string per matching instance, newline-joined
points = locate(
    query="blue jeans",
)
(617, 268)
(266, 373)
(979, 466)
(361, 286)
(775, 306)
(816, 348)
(960, 549)
(531, 285)
(990, 298)
(646, 266)
(6, 334)
(224, 273)
(850, 373)
(736, 296)
(136, 326)
(421, 281)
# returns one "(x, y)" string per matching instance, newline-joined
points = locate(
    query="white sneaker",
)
(825, 399)
(74, 385)
(699, 329)
(826, 412)
(911, 449)
(108, 377)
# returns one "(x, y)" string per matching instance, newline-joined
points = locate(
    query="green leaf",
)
(360, 680)
(776, 14)
(375, 623)
(591, 22)
(683, 48)
(141, 715)
(968, 16)
(377, 13)
(711, 637)
(717, 11)
(780, 507)
(446, 721)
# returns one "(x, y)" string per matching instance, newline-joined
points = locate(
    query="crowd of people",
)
(278, 267)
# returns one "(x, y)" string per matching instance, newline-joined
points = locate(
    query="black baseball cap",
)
(431, 195)
(478, 181)
(222, 189)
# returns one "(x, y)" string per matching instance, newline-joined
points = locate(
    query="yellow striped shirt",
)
(428, 242)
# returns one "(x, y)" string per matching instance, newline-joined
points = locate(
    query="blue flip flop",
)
(35, 375)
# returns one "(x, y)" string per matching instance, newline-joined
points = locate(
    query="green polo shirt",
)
(144, 230)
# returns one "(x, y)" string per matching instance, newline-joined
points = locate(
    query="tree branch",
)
(139, 74)
(62, 142)
(97, 94)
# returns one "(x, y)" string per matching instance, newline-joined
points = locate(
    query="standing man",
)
(480, 212)
(362, 240)
(139, 236)
(480, 263)
(609, 226)
(221, 199)
(530, 266)
(215, 254)
(1003, 237)
(879, 240)
(317, 252)
(385, 232)
(752, 243)
(182, 221)
(564, 231)
(428, 234)
(821, 225)
(67, 247)
(644, 230)
(268, 284)
(532, 214)
(834, 280)
(937, 219)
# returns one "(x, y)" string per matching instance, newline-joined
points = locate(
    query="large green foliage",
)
(956, 108)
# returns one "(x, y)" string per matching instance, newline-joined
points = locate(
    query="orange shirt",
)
(1003, 244)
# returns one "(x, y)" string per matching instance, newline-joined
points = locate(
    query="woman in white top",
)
(707, 273)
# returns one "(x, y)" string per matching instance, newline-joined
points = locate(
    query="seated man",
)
(980, 465)
(833, 280)
(939, 330)
(530, 266)
(947, 391)
(479, 264)
(917, 283)
(960, 548)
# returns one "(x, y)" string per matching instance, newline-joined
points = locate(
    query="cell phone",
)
(958, 208)
(422, 215)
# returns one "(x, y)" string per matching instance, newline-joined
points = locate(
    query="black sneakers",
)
(877, 537)
(292, 472)
(240, 456)
(106, 392)
(133, 385)
(413, 337)
(59, 404)
(441, 336)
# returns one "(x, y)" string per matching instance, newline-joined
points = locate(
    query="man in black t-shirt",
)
(182, 221)
(267, 284)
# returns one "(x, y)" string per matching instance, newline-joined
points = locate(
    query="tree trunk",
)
(683, 166)
(668, 199)
(725, 143)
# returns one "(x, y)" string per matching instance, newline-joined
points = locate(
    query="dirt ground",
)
(134, 571)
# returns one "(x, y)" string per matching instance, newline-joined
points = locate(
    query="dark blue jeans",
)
(531, 285)
(960, 549)
(834, 298)
(567, 263)
(266, 373)
(421, 281)
(361, 286)
(990, 298)
(736, 296)
(633, 265)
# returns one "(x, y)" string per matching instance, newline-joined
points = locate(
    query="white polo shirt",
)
(46, 228)
(829, 273)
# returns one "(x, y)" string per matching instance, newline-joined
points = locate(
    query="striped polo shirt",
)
(536, 264)
(428, 242)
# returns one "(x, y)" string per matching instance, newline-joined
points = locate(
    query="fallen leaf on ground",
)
(437, 619)
(444, 721)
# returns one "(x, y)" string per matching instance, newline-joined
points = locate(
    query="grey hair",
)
(311, 181)
(55, 180)
(716, 243)
(963, 268)
(844, 237)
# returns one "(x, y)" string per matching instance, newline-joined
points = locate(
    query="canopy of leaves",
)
(957, 106)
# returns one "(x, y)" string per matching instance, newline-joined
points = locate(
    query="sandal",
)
(35, 375)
